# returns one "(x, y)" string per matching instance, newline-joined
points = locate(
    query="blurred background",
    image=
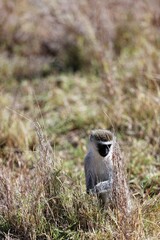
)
(74, 66)
(38, 38)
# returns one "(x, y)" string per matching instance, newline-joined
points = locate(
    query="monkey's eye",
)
(103, 149)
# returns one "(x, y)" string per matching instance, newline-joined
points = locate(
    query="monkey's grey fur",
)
(104, 169)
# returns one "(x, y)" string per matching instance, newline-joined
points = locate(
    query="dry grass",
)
(36, 198)
(115, 54)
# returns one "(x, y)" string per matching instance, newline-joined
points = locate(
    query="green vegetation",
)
(66, 69)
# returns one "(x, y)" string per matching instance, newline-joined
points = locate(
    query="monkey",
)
(98, 164)
(104, 170)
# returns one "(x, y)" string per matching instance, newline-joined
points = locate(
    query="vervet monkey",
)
(104, 170)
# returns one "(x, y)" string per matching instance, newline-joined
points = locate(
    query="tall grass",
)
(38, 203)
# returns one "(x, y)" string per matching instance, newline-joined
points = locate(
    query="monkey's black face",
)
(103, 148)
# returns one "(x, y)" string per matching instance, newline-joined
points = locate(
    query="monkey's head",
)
(101, 141)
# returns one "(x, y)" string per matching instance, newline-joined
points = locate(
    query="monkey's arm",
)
(90, 187)
(103, 187)
(89, 175)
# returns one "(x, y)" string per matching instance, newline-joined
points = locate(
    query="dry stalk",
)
(120, 191)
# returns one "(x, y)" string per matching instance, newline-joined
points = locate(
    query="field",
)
(66, 68)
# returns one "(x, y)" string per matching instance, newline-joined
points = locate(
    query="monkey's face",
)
(101, 141)
(103, 148)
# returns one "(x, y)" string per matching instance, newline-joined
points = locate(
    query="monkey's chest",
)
(102, 171)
